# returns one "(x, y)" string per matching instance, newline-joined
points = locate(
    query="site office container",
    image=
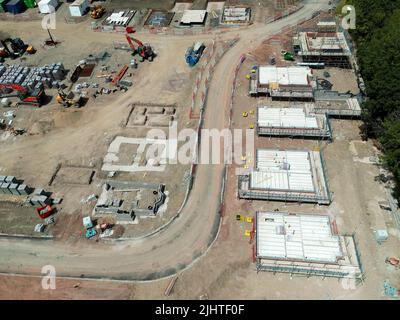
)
(30, 3)
(79, 8)
(47, 6)
(15, 6)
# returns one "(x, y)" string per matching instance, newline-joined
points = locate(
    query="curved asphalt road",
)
(188, 236)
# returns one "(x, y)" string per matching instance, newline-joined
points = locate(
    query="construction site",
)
(304, 244)
(92, 111)
(286, 176)
(323, 45)
(292, 122)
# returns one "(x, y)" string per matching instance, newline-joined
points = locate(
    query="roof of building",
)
(286, 118)
(79, 3)
(282, 170)
(296, 237)
(45, 2)
(326, 23)
(284, 75)
(193, 16)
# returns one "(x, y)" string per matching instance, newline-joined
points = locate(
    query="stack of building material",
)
(33, 78)
(10, 185)
(38, 197)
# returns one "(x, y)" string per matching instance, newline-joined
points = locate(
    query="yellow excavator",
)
(70, 99)
(97, 12)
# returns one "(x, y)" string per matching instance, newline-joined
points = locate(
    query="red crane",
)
(145, 51)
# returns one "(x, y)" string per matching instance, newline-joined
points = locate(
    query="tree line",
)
(377, 36)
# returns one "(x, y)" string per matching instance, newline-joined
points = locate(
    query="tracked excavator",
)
(18, 48)
(27, 97)
(145, 51)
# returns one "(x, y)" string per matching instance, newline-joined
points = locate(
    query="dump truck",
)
(194, 53)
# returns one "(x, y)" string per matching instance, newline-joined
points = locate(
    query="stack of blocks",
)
(9, 185)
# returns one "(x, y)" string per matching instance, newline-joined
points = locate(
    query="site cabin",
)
(193, 17)
(87, 222)
(79, 8)
(47, 6)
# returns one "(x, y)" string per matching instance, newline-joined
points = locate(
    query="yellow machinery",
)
(97, 12)
(30, 49)
(69, 100)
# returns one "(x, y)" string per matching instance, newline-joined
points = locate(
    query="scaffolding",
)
(321, 193)
(303, 92)
(337, 106)
(323, 129)
(325, 44)
(278, 251)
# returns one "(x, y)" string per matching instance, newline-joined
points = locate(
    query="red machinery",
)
(27, 97)
(145, 51)
(44, 212)
(119, 75)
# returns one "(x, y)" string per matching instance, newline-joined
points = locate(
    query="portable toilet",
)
(15, 6)
(79, 8)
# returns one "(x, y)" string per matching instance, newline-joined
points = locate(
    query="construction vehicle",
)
(18, 48)
(70, 99)
(194, 53)
(288, 56)
(27, 97)
(145, 51)
(97, 12)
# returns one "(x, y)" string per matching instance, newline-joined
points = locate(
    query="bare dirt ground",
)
(55, 134)
(234, 276)
(18, 219)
